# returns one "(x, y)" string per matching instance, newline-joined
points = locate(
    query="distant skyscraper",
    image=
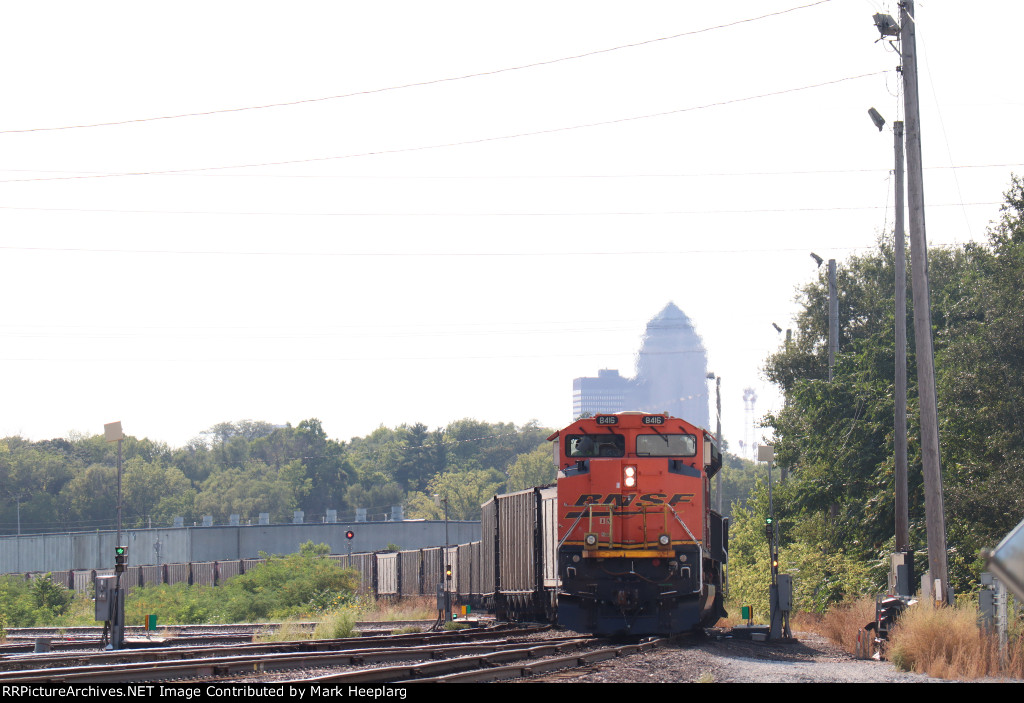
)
(604, 394)
(670, 377)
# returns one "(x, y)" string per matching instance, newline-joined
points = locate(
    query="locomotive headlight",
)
(590, 539)
(664, 540)
(629, 476)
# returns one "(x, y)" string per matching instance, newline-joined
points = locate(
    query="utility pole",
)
(833, 317)
(900, 415)
(718, 437)
(930, 457)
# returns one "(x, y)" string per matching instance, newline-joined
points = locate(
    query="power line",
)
(434, 254)
(606, 213)
(417, 84)
(532, 176)
(468, 142)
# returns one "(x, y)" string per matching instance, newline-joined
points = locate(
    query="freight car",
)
(640, 551)
(518, 547)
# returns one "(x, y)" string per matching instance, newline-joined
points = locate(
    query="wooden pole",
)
(900, 415)
(833, 317)
(930, 457)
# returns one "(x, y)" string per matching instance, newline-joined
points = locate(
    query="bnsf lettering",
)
(621, 500)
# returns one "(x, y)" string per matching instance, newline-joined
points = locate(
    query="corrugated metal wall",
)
(409, 573)
(204, 573)
(387, 574)
(364, 564)
(517, 518)
(432, 573)
(549, 536)
(488, 548)
(227, 569)
(79, 551)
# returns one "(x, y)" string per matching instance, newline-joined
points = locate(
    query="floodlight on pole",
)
(876, 118)
(886, 26)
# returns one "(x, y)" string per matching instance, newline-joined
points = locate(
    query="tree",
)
(466, 491)
(246, 491)
(837, 437)
(536, 468)
(91, 498)
(30, 475)
(153, 492)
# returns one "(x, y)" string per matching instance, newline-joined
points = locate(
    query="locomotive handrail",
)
(700, 551)
(588, 508)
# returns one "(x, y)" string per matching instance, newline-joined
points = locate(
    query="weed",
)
(287, 632)
(947, 643)
(408, 630)
(336, 625)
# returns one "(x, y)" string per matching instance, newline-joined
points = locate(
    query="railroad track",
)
(541, 659)
(23, 639)
(362, 661)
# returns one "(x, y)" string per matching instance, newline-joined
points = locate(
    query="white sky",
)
(432, 284)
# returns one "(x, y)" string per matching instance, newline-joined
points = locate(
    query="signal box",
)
(105, 586)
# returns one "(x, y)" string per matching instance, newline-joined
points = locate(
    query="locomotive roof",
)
(632, 419)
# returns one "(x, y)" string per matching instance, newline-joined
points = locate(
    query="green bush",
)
(31, 603)
(336, 625)
(291, 587)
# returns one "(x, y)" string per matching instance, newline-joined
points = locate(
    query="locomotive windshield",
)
(585, 446)
(666, 445)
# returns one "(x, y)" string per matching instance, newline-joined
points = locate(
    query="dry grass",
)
(420, 608)
(287, 632)
(947, 643)
(844, 623)
(841, 624)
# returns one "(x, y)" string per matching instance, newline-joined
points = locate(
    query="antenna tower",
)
(750, 417)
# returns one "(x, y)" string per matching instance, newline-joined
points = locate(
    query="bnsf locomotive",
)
(639, 549)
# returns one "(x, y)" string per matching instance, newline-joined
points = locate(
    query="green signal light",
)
(120, 551)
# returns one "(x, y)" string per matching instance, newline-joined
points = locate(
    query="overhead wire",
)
(603, 213)
(446, 145)
(532, 176)
(945, 137)
(421, 83)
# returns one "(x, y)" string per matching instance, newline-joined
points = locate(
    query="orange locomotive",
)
(639, 549)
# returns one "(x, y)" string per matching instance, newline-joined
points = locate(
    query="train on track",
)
(624, 544)
(640, 551)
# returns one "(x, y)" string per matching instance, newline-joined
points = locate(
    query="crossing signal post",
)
(780, 592)
(117, 605)
(447, 591)
(113, 432)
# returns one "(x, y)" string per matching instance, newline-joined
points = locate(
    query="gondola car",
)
(640, 552)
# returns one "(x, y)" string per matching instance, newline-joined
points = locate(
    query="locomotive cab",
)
(639, 550)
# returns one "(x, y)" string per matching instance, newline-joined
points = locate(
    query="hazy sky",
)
(448, 209)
